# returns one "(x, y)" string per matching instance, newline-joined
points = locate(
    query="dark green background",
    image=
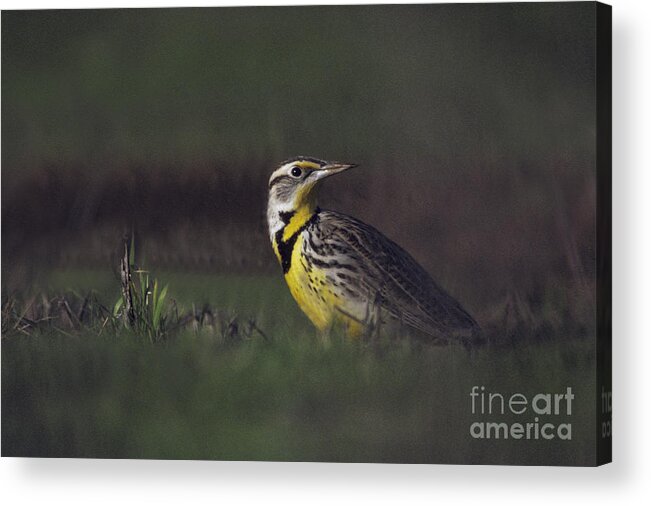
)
(475, 129)
(431, 86)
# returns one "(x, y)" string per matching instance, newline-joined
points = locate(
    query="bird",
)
(344, 273)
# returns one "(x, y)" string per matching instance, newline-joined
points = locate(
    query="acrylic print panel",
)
(342, 233)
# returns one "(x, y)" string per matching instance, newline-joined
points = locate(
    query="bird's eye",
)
(296, 171)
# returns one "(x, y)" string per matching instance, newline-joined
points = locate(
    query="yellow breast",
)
(314, 294)
(308, 286)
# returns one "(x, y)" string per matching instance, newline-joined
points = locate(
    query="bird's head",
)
(292, 190)
(293, 183)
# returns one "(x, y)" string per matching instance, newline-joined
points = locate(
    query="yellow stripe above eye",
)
(304, 164)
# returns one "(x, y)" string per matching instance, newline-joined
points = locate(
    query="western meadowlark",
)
(343, 272)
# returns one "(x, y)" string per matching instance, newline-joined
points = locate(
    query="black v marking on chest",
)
(285, 248)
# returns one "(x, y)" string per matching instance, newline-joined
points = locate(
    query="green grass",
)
(294, 397)
(264, 298)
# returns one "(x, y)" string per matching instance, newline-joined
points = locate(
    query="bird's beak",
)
(333, 168)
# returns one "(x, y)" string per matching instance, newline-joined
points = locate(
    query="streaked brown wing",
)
(395, 281)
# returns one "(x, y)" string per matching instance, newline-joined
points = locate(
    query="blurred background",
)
(474, 126)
